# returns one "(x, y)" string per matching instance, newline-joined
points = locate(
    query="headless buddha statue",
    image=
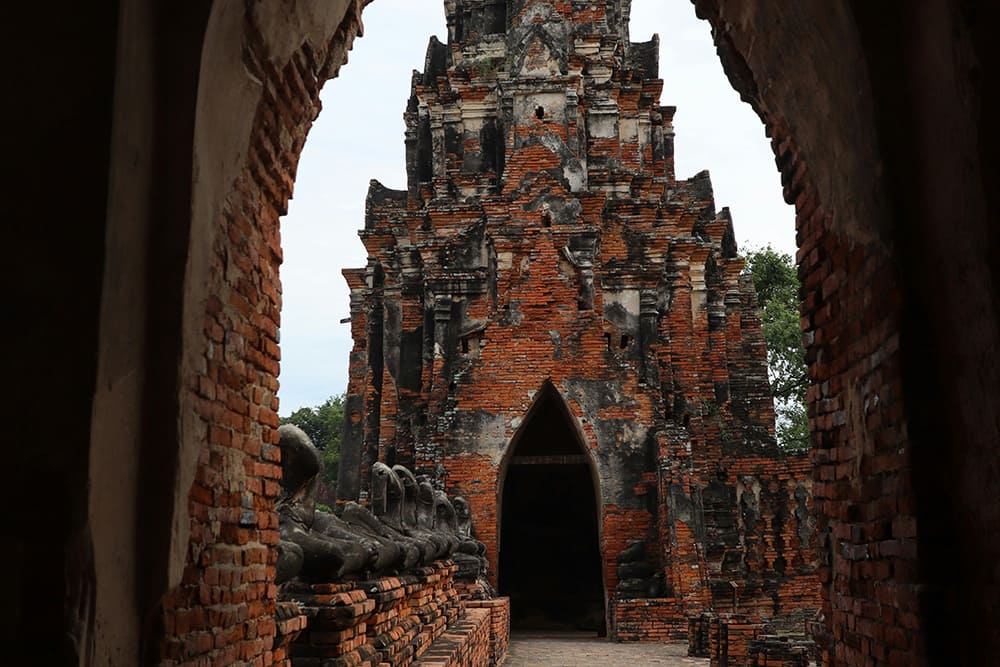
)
(323, 557)
(470, 565)
(463, 518)
(362, 518)
(385, 485)
(418, 512)
(389, 554)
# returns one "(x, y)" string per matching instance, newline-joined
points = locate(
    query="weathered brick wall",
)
(650, 620)
(866, 513)
(223, 610)
(544, 248)
(864, 493)
(733, 640)
(419, 618)
(392, 619)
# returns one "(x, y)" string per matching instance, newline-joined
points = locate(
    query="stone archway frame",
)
(548, 389)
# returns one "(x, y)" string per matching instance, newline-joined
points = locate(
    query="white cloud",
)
(359, 136)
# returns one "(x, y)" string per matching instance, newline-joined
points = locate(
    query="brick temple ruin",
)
(553, 326)
(147, 298)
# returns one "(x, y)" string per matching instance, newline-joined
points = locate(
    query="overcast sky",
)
(359, 136)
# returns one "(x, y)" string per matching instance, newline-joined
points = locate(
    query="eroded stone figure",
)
(463, 527)
(378, 518)
(408, 523)
(323, 557)
(418, 512)
(389, 554)
(470, 565)
(444, 519)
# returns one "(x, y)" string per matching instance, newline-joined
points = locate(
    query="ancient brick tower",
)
(553, 326)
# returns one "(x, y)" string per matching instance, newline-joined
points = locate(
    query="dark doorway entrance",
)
(550, 563)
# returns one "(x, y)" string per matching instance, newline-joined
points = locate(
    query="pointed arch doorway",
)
(549, 556)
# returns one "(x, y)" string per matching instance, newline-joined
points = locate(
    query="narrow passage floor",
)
(579, 650)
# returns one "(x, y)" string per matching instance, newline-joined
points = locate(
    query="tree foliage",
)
(323, 425)
(777, 284)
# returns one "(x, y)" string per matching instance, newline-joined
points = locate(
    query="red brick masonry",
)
(416, 619)
(544, 248)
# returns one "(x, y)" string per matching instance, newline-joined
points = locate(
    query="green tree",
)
(777, 284)
(323, 425)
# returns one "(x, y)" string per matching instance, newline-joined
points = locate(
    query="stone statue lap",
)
(365, 519)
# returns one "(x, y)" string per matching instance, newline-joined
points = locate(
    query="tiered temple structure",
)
(554, 327)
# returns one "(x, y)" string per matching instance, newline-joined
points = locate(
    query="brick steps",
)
(466, 643)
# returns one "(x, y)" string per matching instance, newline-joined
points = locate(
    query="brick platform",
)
(419, 618)
(499, 609)
(290, 623)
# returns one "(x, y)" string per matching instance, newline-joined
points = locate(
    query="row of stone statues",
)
(408, 523)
